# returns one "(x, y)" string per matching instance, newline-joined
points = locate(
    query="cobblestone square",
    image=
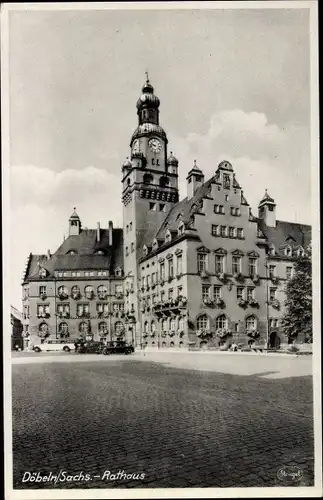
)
(180, 427)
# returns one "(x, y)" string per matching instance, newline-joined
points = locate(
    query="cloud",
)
(263, 155)
(42, 202)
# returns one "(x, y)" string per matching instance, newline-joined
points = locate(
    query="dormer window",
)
(300, 252)
(100, 252)
(145, 250)
(288, 251)
(272, 250)
(180, 229)
(118, 271)
(168, 236)
(155, 245)
(42, 272)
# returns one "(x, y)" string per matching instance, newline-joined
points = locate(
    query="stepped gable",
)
(284, 233)
(183, 208)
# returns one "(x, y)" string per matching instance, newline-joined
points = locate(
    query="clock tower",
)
(150, 190)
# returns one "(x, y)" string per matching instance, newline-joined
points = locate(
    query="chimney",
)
(98, 232)
(110, 232)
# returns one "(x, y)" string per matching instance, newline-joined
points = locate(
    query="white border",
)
(262, 492)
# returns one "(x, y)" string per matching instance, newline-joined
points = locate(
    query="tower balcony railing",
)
(170, 306)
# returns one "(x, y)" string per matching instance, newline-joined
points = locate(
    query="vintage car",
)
(117, 347)
(54, 345)
(89, 347)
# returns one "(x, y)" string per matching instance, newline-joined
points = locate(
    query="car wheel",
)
(37, 349)
(66, 349)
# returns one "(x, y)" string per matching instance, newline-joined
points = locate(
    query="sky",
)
(233, 84)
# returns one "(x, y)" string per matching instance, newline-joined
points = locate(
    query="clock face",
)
(135, 146)
(155, 145)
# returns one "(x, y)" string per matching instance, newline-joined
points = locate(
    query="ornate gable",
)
(203, 250)
(220, 251)
(253, 254)
(237, 252)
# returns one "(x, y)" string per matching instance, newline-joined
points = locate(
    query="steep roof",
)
(285, 233)
(185, 209)
(85, 246)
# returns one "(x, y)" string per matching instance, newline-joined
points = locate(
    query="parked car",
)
(54, 345)
(118, 347)
(90, 346)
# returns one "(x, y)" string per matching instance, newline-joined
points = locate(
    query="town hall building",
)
(198, 273)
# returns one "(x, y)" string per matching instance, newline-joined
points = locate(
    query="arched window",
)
(181, 323)
(163, 344)
(202, 322)
(163, 181)
(164, 325)
(75, 292)
(63, 330)
(102, 292)
(102, 328)
(180, 229)
(221, 322)
(173, 324)
(62, 292)
(89, 292)
(148, 179)
(118, 328)
(146, 327)
(128, 182)
(171, 344)
(43, 329)
(181, 344)
(251, 323)
(84, 328)
(153, 327)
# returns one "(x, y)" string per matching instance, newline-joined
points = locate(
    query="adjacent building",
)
(195, 273)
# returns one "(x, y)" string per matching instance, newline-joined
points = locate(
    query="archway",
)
(203, 345)
(274, 340)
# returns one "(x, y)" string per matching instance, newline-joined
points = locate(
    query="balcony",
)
(171, 306)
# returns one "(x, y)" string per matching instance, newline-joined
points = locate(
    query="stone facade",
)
(198, 273)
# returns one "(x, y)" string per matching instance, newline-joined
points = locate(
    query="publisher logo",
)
(290, 474)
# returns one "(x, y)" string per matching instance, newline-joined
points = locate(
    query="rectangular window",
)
(223, 231)
(272, 294)
(289, 272)
(179, 290)
(235, 211)
(240, 292)
(148, 301)
(127, 251)
(162, 296)
(102, 308)
(42, 310)
(273, 323)
(152, 206)
(170, 294)
(201, 262)
(250, 293)
(215, 230)
(272, 271)
(63, 310)
(42, 290)
(252, 266)
(217, 292)
(236, 264)
(162, 271)
(231, 232)
(132, 247)
(153, 279)
(226, 181)
(154, 299)
(205, 292)
(148, 280)
(170, 268)
(127, 228)
(219, 263)
(218, 209)
(239, 233)
(82, 309)
(130, 226)
(179, 263)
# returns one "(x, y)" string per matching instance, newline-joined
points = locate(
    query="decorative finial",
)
(194, 163)
(266, 191)
(147, 77)
(74, 208)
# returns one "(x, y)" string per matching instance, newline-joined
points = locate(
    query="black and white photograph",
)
(161, 289)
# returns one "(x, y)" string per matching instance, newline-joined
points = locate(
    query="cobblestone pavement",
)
(180, 427)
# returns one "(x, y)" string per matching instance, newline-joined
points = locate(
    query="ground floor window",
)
(221, 322)
(202, 322)
(251, 323)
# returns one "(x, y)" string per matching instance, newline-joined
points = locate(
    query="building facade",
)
(197, 273)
